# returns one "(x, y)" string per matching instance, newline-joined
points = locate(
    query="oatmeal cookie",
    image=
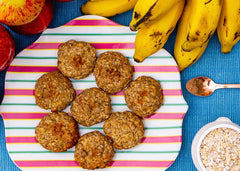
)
(112, 72)
(125, 129)
(57, 132)
(54, 91)
(76, 59)
(92, 106)
(93, 151)
(144, 96)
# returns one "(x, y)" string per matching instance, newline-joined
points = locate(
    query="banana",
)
(107, 8)
(202, 22)
(152, 38)
(146, 11)
(182, 57)
(229, 25)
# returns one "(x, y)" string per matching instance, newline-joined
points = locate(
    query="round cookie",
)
(90, 107)
(112, 72)
(144, 96)
(76, 59)
(125, 129)
(57, 132)
(93, 151)
(54, 91)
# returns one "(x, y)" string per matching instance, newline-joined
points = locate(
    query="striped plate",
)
(162, 141)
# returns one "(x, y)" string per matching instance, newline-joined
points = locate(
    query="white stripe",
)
(42, 53)
(35, 62)
(87, 29)
(147, 123)
(32, 76)
(70, 156)
(53, 62)
(77, 85)
(90, 39)
(148, 132)
(114, 99)
(139, 147)
(15, 108)
(126, 52)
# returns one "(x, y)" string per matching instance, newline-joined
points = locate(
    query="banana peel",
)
(152, 38)
(147, 11)
(107, 8)
(228, 29)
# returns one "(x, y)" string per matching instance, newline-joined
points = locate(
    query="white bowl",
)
(221, 122)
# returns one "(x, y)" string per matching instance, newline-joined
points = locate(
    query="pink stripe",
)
(118, 45)
(121, 93)
(79, 91)
(91, 23)
(72, 163)
(174, 92)
(28, 92)
(156, 69)
(40, 115)
(166, 116)
(23, 115)
(141, 163)
(21, 140)
(31, 69)
(47, 163)
(53, 68)
(172, 139)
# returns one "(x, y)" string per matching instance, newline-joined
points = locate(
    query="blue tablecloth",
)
(222, 68)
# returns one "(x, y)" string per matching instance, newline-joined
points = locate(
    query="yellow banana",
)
(229, 25)
(203, 21)
(107, 8)
(152, 38)
(146, 11)
(186, 58)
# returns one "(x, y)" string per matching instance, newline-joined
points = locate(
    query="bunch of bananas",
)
(156, 19)
(198, 23)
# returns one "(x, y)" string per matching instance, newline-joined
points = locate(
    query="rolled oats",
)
(220, 150)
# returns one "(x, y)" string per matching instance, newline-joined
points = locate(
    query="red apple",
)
(63, 0)
(7, 48)
(18, 12)
(39, 24)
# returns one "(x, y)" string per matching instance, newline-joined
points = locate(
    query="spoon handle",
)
(227, 85)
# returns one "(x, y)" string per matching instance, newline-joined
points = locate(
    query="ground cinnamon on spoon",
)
(197, 87)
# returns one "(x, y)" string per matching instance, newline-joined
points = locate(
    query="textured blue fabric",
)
(222, 68)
